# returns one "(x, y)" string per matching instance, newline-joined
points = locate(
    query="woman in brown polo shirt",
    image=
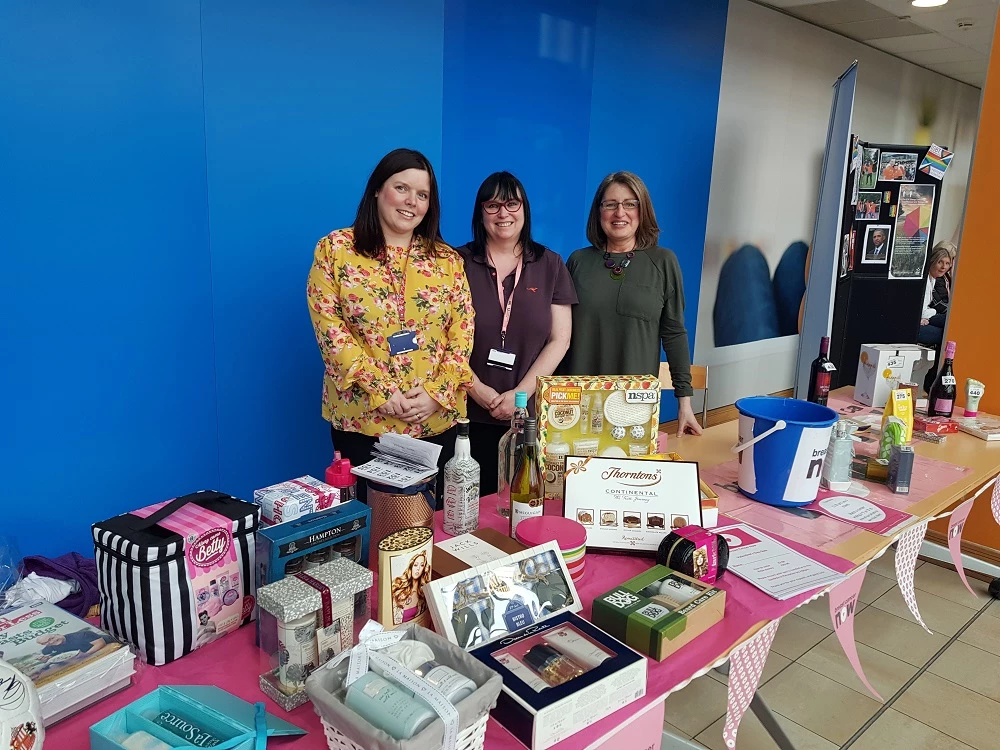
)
(523, 297)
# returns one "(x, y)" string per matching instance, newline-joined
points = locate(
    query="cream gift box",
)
(881, 368)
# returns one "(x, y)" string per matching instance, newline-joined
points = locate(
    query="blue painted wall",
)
(169, 166)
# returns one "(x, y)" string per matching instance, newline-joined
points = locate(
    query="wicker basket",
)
(473, 738)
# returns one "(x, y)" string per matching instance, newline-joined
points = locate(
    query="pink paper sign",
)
(907, 550)
(862, 513)
(746, 664)
(956, 525)
(843, 603)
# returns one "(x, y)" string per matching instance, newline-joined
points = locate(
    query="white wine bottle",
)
(527, 489)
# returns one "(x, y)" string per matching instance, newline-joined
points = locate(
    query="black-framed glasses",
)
(629, 205)
(493, 207)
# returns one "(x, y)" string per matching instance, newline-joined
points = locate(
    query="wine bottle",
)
(527, 492)
(461, 486)
(511, 444)
(941, 397)
(819, 374)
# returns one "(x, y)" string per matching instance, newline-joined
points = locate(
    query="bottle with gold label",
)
(527, 489)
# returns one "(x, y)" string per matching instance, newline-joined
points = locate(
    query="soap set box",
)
(594, 416)
(293, 499)
(517, 615)
(659, 611)
(183, 716)
(308, 542)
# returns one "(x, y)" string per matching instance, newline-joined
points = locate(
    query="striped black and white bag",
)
(147, 561)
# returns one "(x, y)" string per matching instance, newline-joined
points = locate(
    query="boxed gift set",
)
(627, 504)
(594, 416)
(475, 548)
(305, 620)
(185, 716)
(308, 542)
(882, 367)
(659, 611)
(406, 689)
(293, 499)
(518, 617)
(194, 556)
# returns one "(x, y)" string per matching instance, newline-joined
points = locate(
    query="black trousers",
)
(485, 439)
(358, 448)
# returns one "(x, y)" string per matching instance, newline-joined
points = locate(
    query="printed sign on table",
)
(862, 513)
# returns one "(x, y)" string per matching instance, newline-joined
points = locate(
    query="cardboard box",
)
(882, 367)
(293, 499)
(627, 427)
(540, 713)
(468, 550)
(659, 611)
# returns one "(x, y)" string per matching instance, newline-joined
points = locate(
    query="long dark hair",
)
(368, 237)
(504, 187)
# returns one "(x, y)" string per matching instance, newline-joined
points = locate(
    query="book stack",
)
(72, 663)
(984, 428)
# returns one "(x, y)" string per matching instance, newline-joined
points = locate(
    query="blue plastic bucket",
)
(783, 466)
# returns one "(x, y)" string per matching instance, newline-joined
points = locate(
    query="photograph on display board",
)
(897, 167)
(845, 255)
(876, 247)
(869, 207)
(869, 168)
(915, 210)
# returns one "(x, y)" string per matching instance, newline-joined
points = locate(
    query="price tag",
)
(642, 396)
(901, 394)
(948, 380)
(975, 391)
(829, 367)
(894, 363)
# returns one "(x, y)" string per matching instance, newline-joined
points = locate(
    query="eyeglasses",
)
(630, 205)
(493, 207)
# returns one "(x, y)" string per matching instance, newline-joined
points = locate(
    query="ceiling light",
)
(928, 3)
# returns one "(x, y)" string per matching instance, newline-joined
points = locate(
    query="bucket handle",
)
(779, 425)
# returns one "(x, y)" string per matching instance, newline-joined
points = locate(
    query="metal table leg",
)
(764, 715)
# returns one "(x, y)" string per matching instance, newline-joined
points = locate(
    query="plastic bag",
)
(10, 567)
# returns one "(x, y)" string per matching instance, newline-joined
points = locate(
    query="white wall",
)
(774, 107)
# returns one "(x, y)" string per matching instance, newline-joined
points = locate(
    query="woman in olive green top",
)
(631, 295)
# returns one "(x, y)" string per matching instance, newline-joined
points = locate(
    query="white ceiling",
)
(929, 37)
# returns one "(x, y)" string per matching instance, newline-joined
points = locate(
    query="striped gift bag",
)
(178, 574)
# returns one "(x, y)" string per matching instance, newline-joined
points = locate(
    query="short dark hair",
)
(368, 237)
(648, 234)
(503, 186)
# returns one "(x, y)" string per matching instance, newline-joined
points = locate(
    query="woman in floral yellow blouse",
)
(393, 317)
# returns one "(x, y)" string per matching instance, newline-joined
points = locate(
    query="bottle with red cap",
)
(338, 474)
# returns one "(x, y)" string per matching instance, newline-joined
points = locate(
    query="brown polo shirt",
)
(544, 282)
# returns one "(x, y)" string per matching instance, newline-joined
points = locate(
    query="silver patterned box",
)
(304, 621)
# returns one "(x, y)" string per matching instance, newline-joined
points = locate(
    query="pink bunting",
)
(995, 500)
(907, 550)
(746, 664)
(956, 525)
(843, 603)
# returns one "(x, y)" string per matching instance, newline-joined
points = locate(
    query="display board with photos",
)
(629, 505)
(890, 205)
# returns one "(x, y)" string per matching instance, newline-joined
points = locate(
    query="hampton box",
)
(594, 416)
(659, 611)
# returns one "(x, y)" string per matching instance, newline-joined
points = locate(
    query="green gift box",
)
(659, 611)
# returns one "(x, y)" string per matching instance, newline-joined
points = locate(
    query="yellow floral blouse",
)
(354, 305)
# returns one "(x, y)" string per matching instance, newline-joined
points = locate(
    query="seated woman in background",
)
(393, 317)
(522, 295)
(937, 293)
(631, 295)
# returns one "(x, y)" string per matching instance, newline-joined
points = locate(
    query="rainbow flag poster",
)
(936, 161)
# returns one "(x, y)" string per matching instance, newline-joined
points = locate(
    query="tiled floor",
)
(952, 704)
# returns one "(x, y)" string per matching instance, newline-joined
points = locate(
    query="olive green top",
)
(619, 325)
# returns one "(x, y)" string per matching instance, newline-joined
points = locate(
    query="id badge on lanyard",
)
(403, 341)
(501, 357)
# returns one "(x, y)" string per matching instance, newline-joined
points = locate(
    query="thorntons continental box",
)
(614, 417)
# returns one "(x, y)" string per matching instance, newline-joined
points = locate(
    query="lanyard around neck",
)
(400, 293)
(506, 308)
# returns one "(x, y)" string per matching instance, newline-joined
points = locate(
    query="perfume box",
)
(490, 601)
(594, 416)
(659, 611)
(561, 675)
(468, 550)
(186, 716)
(310, 541)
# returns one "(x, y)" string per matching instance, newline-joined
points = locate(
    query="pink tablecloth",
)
(232, 662)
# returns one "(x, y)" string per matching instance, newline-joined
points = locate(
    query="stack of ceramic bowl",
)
(570, 535)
